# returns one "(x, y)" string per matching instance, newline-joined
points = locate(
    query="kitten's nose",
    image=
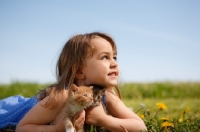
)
(91, 99)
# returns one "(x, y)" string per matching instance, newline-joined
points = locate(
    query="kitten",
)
(78, 99)
(99, 98)
(98, 93)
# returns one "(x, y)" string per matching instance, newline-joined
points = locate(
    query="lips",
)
(113, 74)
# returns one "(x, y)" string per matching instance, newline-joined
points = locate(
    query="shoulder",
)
(115, 105)
(55, 99)
(111, 98)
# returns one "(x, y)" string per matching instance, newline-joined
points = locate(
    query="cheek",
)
(103, 68)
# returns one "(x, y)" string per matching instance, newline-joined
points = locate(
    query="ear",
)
(104, 90)
(79, 74)
(91, 87)
(74, 88)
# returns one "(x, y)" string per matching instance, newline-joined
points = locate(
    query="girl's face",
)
(101, 68)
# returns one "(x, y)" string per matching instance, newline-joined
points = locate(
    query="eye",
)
(115, 57)
(85, 95)
(105, 57)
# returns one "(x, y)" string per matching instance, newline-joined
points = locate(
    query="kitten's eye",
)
(85, 95)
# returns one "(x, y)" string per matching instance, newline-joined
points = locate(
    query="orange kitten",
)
(78, 99)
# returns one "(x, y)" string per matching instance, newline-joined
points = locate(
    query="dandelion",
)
(148, 112)
(142, 116)
(165, 119)
(180, 120)
(167, 124)
(186, 110)
(161, 106)
(142, 106)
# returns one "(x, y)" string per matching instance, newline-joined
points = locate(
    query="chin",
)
(112, 85)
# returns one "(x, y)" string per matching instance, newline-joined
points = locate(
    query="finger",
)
(80, 114)
(79, 119)
(78, 125)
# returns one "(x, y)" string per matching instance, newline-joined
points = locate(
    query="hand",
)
(59, 123)
(95, 115)
(79, 120)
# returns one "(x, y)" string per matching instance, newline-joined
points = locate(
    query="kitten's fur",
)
(78, 99)
(98, 93)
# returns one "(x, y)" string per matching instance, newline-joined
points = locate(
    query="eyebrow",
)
(108, 53)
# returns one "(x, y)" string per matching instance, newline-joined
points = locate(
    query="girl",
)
(84, 60)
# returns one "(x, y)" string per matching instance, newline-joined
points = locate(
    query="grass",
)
(26, 89)
(177, 115)
(181, 101)
(161, 90)
(179, 110)
(175, 107)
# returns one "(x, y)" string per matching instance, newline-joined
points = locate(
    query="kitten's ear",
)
(91, 87)
(102, 91)
(74, 88)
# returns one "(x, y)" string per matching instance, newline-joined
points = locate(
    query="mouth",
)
(113, 74)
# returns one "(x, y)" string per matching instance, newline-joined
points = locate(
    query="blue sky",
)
(157, 40)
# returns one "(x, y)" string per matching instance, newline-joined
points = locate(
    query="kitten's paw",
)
(70, 130)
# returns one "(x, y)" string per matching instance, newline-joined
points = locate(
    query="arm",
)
(121, 116)
(39, 118)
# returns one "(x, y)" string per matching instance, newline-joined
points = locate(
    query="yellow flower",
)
(180, 119)
(142, 116)
(161, 106)
(167, 124)
(165, 119)
(186, 110)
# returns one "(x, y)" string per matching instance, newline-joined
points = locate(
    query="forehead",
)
(101, 44)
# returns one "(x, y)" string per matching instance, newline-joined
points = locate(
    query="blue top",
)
(13, 109)
(104, 99)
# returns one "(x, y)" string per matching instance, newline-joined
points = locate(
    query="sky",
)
(156, 40)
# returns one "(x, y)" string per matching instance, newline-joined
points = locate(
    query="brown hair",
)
(71, 59)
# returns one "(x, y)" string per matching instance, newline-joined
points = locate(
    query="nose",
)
(113, 63)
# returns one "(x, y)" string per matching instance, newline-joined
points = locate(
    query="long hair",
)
(71, 60)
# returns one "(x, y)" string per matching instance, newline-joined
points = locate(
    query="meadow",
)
(164, 106)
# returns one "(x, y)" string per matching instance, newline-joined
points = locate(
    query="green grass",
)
(20, 88)
(175, 107)
(161, 90)
(182, 100)
(181, 115)
(157, 90)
